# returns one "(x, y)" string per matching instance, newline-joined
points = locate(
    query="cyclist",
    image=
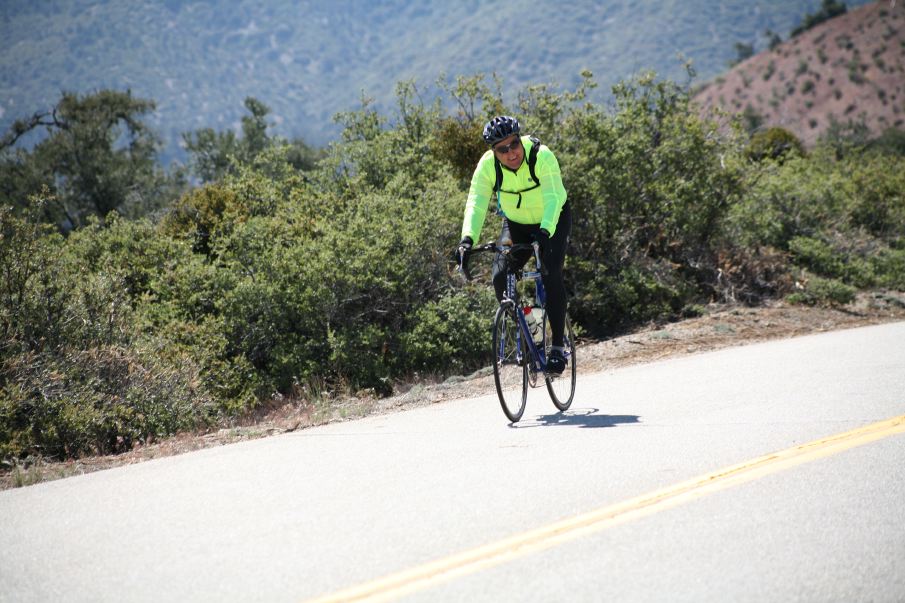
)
(533, 206)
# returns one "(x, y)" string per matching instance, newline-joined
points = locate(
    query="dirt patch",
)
(719, 327)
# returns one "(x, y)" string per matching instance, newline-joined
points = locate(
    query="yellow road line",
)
(423, 576)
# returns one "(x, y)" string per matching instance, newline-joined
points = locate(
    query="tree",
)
(216, 154)
(773, 39)
(97, 156)
(828, 10)
(743, 52)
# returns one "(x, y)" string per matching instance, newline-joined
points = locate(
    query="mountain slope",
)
(851, 67)
(308, 59)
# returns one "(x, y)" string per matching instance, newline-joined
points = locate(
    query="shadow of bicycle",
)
(577, 417)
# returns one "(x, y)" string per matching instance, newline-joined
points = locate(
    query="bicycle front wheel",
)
(561, 387)
(510, 364)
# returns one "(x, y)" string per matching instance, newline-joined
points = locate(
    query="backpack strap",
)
(499, 175)
(532, 158)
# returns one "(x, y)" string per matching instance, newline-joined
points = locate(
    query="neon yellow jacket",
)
(541, 205)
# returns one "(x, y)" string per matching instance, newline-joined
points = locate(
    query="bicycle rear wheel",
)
(561, 387)
(510, 364)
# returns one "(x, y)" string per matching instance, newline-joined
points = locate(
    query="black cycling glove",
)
(543, 238)
(463, 249)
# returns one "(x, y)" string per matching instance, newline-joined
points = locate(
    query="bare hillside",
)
(851, 67)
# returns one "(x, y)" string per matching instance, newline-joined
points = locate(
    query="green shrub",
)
(891, 141)
(889, 267)
(33, 294)
(817, 256)
(878, 195)
(835, 215)
(204, 213)
(76, 377)
(616, 300)
(650, 188)
(66, 403)
(321, 290)
(774, 143)
(451, 334)
(458, 144)
(823, 292)
(751, 119)
(802, 196)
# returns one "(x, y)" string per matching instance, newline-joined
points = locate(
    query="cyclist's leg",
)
(553, 280)
(499, 266)
(508, 236)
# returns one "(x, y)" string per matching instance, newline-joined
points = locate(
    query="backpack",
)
(532, 161)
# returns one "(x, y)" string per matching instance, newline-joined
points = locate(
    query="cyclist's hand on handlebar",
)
(462, 250)
(543, 239)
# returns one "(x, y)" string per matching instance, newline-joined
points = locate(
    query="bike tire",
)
(561, 387)
(510, 364)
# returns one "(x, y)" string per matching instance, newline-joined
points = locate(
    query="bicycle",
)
(519, 354)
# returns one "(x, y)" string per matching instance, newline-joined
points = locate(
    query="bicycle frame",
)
(510, 298)
(538, 359)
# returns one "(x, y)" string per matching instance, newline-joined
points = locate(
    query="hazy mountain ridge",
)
(851, 67)
(198, 59)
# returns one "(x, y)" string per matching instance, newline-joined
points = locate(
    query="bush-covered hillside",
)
(286, 277)
(845, 72)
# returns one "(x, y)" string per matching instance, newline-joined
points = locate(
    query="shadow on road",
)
(577, 417)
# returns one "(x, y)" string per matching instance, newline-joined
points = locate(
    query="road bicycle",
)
(522, 338)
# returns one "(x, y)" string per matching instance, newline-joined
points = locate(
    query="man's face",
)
(510, 152)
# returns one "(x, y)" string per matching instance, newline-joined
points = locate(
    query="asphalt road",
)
(312, 513)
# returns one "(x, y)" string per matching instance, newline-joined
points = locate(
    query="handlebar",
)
(504, 250)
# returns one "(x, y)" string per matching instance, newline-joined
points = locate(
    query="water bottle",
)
(531, 317)
(538, 314)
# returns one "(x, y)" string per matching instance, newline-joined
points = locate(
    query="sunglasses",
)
(506, 148)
